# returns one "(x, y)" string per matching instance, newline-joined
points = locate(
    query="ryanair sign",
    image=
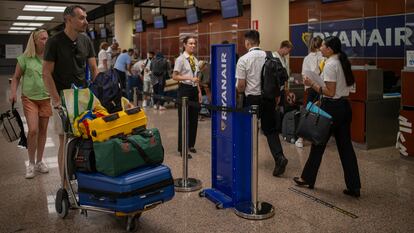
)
(382, 37)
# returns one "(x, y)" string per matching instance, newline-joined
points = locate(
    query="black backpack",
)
(272, 77)
(107, 89)
(158, 67)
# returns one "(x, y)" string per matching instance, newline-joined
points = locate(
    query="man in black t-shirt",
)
(64, 62)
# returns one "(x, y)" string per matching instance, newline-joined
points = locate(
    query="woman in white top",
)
(311, 63)
(186, 72)
(338, 78)
(103, 59)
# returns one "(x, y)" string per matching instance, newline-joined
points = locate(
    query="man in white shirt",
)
(146, 72)
(282, 53)
(248, 75)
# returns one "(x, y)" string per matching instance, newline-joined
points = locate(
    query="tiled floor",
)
(386, 204)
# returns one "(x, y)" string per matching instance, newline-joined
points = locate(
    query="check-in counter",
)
(406, 118)
(374, 116)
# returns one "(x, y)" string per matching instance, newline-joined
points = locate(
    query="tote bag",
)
(314, 125)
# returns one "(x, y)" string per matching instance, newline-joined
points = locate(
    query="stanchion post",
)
(254, 210)
(185, 184)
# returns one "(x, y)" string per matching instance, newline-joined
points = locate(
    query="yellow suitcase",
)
(116, 124)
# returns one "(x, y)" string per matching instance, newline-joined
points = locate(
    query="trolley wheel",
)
(219, 206)
(202, 194)
(131, 222)
(62, 203)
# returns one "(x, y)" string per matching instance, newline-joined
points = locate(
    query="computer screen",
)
(231, 8)
(103, 33)
(160, 21)
(92, 34)
(193, 15)
(140, 26)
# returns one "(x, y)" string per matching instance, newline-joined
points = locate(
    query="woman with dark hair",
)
(186, 72)
(338, 78)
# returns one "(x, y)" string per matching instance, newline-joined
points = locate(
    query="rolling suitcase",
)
(137, 190)
(116, 124)
(289, 124)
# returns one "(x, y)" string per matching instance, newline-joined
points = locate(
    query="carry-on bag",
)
(136, 190)
(117, 124)
(121, 154)
(10, 127)
(289, 124)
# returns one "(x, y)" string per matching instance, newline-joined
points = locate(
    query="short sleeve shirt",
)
(183, 67)
(311, 62)
(32, 81)
(333, 72)
(70, 58)
(249, 67)
(122, 61)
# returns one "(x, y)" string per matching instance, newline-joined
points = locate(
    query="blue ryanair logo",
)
(383, 37)
(223, 89)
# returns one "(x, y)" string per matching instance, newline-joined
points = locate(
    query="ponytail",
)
(346, 67)
(334, 43)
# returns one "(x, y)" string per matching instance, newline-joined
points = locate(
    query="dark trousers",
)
(159, 90)
(341, 113)
(269, 122)
(192, 94)
(133, 81)
(122, 81)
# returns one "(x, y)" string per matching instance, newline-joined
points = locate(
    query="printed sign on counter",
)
(410, 58)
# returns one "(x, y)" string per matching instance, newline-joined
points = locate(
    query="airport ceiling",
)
(11, 9)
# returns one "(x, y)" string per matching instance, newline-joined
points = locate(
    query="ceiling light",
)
(28, 24)
(19, 32)
(38, 18)
(44, 8)
(23, 28)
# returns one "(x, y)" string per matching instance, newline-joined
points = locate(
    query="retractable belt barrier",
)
(246, 110)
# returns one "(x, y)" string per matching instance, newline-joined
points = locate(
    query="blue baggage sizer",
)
(137, 190)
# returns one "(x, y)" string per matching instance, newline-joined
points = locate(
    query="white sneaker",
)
(30, 173)
(155, 107)
(299, 143)
(162, 108)
(41, 167)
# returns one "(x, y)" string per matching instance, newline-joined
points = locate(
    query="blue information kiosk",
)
(231, 135)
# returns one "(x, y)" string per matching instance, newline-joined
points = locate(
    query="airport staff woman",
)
(35, 99)
(338, 78)
(186, 72)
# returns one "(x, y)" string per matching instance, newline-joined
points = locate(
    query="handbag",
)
(313, 125)
(10, 126)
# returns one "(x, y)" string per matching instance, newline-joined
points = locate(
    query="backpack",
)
(108, 90)
(158, 67)
(272, 77)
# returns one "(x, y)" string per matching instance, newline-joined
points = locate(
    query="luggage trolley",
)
(64, 201)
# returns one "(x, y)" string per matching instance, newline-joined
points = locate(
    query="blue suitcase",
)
(133, 191)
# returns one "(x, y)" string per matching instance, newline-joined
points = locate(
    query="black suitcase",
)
(289, 125)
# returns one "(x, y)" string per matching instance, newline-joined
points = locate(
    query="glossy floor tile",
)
(386, 203)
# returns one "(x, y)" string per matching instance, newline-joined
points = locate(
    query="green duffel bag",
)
(121, 154)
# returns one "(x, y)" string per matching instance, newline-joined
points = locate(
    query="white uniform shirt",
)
(137, 67)
(147, 74)
(103, 55)
(183, 67)
(311, 62)
(333, 72)
(249, 67)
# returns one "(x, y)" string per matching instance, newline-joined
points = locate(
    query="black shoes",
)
(300, 182)
(280, 166)
(192, 150)
(353, 193)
